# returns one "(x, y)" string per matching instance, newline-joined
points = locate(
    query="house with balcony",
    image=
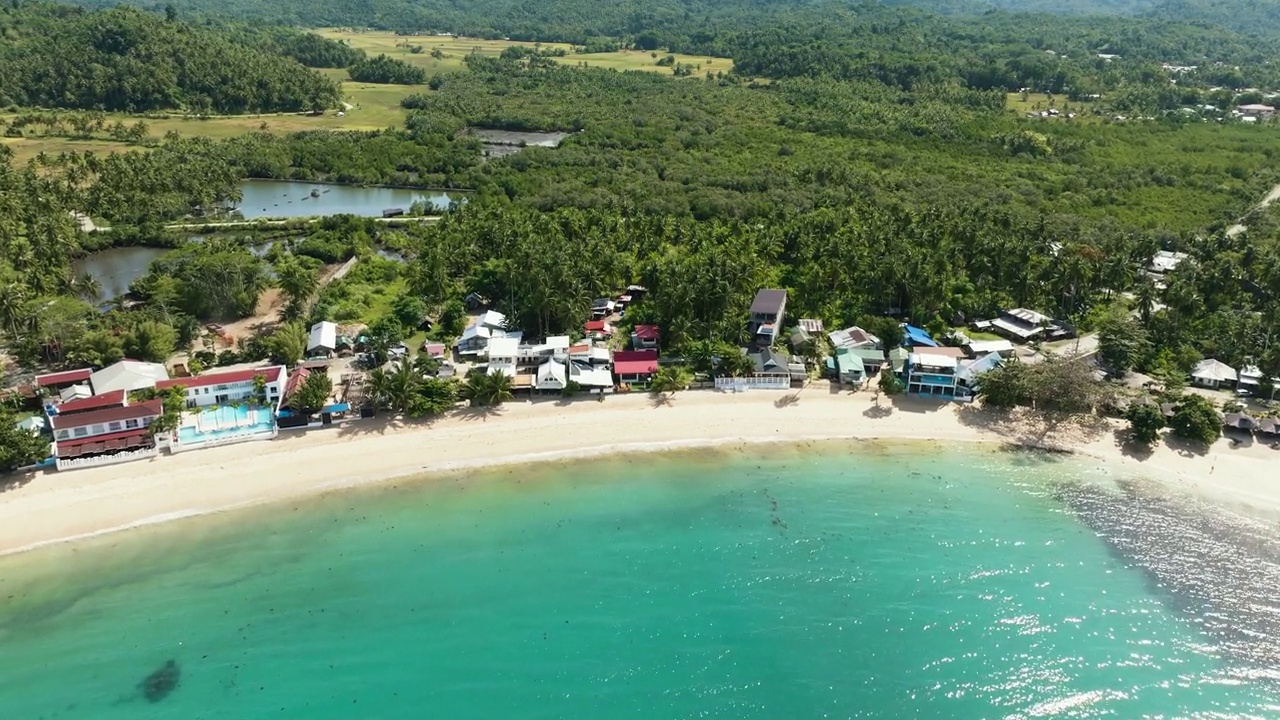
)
(104, 436)
(931, 374)
(768, 313)
(234, 386)
(504, 356)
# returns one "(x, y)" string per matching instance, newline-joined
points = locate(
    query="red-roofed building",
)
(598, 329)
(104, 436)
(218, 388)
(635, 366)
(645, 337)
(113, 399)
(54, 381)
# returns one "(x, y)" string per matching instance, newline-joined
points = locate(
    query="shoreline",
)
(60, 508)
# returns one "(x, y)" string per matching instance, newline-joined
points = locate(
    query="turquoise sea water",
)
(783, 582)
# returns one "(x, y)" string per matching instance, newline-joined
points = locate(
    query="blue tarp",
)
(917, 337)
(336, 408)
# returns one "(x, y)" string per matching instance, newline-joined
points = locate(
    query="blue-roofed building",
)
(916, 337)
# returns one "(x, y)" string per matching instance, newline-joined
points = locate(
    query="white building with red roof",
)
(230, 386)
(104, 436)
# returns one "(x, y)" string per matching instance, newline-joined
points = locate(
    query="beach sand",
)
(54, 507)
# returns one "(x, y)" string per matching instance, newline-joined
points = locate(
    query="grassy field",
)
(1035, 102)
(454, 49)
(371, 106)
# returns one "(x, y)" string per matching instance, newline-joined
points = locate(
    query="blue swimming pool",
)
(223, 422)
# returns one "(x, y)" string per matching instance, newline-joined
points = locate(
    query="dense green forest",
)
(870, 166)
(125, 59)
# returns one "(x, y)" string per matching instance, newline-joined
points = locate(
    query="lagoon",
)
(116, 268)
(293, 199)
(840, 580)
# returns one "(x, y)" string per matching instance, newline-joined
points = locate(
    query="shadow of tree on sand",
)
(1044, 429)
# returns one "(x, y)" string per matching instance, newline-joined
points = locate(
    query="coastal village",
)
(133, 410)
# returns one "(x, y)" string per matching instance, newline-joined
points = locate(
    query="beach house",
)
(768, 312)
(104, 436)
(853, 337)
(635, 366)
(969, 374)
(503, 354)
(645, 337)
(931, 374)
(590, 376)
(552, 376)
(598, 329)
(1213, 374)
(222, 388)
(855, 364)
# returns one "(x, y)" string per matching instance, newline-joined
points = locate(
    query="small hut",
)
(1239, 422)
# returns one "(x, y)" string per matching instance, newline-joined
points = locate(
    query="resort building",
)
(556, 346)
(221, 388)
(645, 337)
(635, 366)
(104, 436)
(227, 408)
(54, 382)
(931, 374)
(128, 375)
(768, 313)
(1213, 374)
(115, 398)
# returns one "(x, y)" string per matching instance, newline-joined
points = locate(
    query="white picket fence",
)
(112, 459)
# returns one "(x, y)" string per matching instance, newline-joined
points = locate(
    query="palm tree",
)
(668, 380)
(403, 385)
(1145, 296)
(487, 389)
(298, 283)
(379, 387)
(86, 287)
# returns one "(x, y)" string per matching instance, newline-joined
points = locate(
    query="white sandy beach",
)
(54, 507)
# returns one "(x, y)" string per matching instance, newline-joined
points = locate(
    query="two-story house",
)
(931, 374)
(768, 313)
(104, 436)
(220, 388)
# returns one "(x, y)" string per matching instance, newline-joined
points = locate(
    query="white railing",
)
(755, 382)
(178, 446)
(112, 459)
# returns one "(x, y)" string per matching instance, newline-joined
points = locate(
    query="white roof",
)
(983, 347)
(974, 368)
(551, 375)
(557, 342)
(1030, 317)
(590, 376)
(128, 375)
(1165, 260)
(324, 334)
(493, 319)
(75, 392)
(941, 361)
(1256, 107)
(1019, 330)
(1250, 374)
(476, 331)
(506, 347)
(1210, 369)
(33, 424)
